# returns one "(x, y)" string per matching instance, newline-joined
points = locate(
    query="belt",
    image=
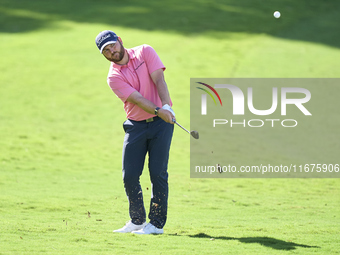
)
(148, 120)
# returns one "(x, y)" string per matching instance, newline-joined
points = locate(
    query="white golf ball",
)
(277, 14)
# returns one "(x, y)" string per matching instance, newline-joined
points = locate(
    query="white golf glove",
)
(167, 107)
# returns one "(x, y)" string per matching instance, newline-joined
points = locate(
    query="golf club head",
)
(194, 134)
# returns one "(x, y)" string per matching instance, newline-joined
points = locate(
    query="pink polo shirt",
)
(135, 76)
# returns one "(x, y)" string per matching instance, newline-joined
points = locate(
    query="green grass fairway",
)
(61, 134)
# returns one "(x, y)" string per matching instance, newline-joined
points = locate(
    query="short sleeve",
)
(121, 88)
(152, 59)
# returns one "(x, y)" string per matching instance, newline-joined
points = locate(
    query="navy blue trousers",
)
(152, 138)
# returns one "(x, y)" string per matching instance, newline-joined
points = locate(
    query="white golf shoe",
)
(149, 229)
(129, 227)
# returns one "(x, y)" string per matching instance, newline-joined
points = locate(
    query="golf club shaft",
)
(181, 126)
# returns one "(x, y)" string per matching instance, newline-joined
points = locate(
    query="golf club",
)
(193, 133)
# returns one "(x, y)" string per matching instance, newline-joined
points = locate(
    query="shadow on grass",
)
(265, 241)
(315, 21)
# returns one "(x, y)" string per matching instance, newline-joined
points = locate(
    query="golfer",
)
(136, 77)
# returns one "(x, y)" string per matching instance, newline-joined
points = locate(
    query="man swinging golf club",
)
(136, 77)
